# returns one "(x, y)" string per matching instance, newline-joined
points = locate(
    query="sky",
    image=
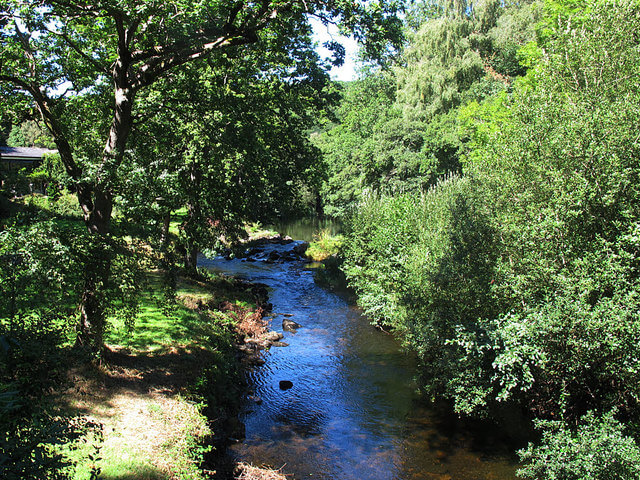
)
(324, 33)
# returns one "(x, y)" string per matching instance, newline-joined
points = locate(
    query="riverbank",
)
(167, 392)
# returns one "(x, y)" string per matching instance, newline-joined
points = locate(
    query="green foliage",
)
(30, 134)
(31, 363)
(324, 245)
(597, 449)
(424, 265)
(375, 147)
(399, 131)
(61, 204)
(42, 269)
(28, 447)
(453, 59)
(519, 281)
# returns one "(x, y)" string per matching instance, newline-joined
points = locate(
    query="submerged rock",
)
(285, 384)
(289, 325)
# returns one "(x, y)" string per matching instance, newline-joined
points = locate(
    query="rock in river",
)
(285, 384)
(301, 248)
(289, 325)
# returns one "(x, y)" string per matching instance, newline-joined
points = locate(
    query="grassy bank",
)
(324, 245)
(162, 381)
(161, 401)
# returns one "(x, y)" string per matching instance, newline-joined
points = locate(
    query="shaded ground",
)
(147, 390)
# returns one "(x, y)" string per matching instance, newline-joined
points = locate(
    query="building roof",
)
(23, 153)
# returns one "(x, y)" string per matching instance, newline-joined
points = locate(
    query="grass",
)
(65, 206)
(177, 218)
(149, 394)
(324, 245)
(159, 383)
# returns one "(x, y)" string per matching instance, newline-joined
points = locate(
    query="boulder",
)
(274, 256)
(273, 336)
(289, 325)
(301, 248)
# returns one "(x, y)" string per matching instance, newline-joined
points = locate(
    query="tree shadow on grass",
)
(144, 472)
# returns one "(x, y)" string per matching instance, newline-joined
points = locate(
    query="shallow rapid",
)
(352, 411)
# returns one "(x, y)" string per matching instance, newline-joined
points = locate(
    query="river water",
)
(353, 411)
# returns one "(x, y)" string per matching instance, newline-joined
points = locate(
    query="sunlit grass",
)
(160, 436)
(162, 323)
(324, 245)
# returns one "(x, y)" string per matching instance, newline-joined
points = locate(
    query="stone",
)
(290, 326)
(273, 336)
(285, 384)
(274, 255)
(301, 248)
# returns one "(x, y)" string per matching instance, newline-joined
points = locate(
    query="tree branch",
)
(23, 84)
(156, 67)
(100, 68)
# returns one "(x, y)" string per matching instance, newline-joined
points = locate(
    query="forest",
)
(484, 167)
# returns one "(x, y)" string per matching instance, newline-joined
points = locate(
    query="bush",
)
(324, 245)
(31, 363)
(597, 449)
(61, 205)
(424, 265)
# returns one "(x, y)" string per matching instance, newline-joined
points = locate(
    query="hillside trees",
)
(95, 58)
(398, 131)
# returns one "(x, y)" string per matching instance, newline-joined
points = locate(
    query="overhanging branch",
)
(74, 46)
(156, 67)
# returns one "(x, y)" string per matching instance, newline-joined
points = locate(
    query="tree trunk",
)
(319, 206)
(191, 259)
(91, 325)
(96, 202)
(164, 234)
(192, 225)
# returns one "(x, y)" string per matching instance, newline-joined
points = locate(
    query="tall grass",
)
(324, 245)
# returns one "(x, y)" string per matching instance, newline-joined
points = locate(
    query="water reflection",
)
(353, 411)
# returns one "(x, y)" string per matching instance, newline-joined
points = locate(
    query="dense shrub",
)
(518, 282)
(597, 450)
(424, 265)
(32, 361)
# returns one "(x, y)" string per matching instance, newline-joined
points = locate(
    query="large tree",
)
(65, 55)
(230, 143)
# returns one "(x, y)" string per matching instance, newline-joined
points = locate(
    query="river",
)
(353, 411)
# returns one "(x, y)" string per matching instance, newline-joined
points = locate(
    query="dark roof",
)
(23, 153)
